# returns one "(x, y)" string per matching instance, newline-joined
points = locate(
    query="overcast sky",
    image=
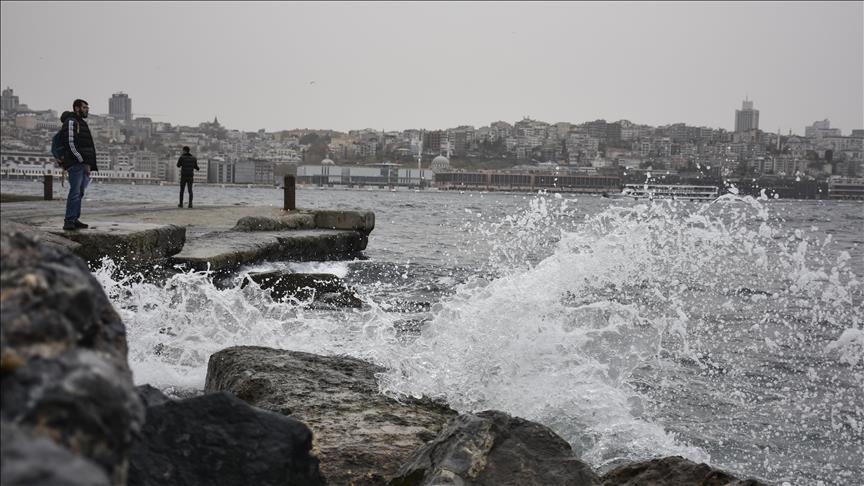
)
(434, 65)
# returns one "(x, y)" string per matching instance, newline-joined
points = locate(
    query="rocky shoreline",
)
(71, 414)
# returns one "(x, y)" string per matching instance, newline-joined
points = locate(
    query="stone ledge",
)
(225, 251)
(133, 243)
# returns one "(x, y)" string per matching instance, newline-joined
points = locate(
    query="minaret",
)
(420, 151)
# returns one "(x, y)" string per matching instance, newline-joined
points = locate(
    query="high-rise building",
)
(746, 118)
(821, 129)
(10, 101)
(120, 106)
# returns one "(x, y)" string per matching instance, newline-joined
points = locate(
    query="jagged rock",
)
(492, 448)
(52, 303)
(49, 239)
(82, 399)
(63, 352)
(320, 287)
(151, 396)
(361, 436)
(671, 471)
(30, 460)
(362, 221)
(287, 222)
(219, 439)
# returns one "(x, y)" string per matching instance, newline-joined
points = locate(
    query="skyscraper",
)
(746, 118)
(120, 106)
(10, 101)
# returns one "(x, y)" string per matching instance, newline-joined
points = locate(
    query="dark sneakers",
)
(74, 225)
(190, 205)
(180, 205)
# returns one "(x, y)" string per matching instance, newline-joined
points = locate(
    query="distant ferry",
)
(668, 191)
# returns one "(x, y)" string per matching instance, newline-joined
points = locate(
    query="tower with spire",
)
(746, 118)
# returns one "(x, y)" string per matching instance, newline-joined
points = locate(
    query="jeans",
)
(184, 181)
(78, 181)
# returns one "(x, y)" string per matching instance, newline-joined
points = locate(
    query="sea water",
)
(729, 332)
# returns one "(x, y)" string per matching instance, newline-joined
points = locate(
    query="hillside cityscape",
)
(527, 154)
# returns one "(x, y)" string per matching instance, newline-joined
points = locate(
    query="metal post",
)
(48, 185)
(289, 193)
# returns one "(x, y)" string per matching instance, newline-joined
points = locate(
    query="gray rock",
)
(151, 396)
(83, 399)
(30, 460)
(494, 449)
(218, 439)
(49, 239)
(671, 471)
(361, 436)
(63, 355)
(52, 303)
(321, 287)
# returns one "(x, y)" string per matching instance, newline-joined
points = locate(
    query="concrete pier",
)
(221, 238)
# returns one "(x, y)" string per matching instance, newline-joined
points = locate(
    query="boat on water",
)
(667, 191)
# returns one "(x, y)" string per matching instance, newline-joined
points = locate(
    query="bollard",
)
(48, 185)
(289, 193)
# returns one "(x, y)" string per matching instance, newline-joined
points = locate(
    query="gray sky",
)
(435, 65)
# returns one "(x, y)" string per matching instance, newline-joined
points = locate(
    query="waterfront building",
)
(376, 175)
(528, 180)
(845, 187)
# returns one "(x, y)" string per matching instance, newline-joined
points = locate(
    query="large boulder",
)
(219, 439)
(494, 449)
(29, 460)
(52, 303)
(63, 356)
(671, 471)
(361, 436)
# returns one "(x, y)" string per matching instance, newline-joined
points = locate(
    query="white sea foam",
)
(640, 330)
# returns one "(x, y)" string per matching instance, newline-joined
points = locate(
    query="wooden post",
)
(290, 203)
(48, 186)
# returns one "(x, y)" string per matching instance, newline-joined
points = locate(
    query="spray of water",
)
(706, 330)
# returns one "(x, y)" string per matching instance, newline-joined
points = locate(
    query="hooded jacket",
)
(80, 141)
(187, 163)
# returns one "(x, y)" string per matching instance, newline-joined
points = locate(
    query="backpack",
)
(58, 147)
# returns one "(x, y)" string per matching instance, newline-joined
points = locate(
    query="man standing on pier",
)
(81, 151)
(187, 163)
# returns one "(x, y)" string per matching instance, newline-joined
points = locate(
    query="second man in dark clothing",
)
(187, 163)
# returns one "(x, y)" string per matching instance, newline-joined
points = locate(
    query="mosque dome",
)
(440, 163)
(327, 162)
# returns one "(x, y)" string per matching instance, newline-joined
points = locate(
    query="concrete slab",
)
(200, 238)
(225, 251)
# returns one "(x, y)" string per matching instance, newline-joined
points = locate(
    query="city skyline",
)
(434, 65)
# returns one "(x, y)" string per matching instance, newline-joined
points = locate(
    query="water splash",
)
(649, 329)
(714, 331)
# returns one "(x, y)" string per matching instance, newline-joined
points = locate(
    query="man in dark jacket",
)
(82, 154)
(187, 163)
